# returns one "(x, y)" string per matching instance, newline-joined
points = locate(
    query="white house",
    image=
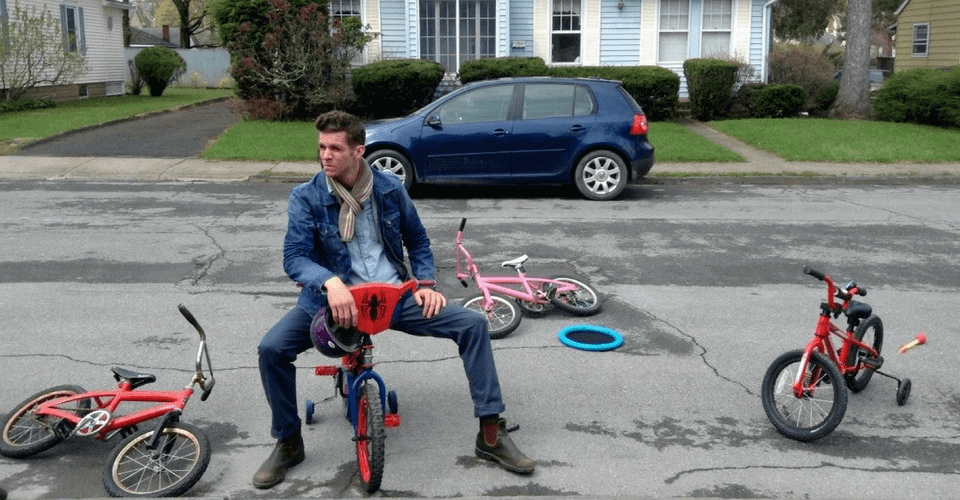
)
(94, 29)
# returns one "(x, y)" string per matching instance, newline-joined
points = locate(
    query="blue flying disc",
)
(590, 337)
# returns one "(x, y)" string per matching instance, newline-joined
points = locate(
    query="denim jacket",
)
(313, 252)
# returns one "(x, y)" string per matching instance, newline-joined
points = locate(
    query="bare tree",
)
(853, 98)
(33, 52)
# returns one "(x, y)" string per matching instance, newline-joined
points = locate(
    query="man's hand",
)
(341, 303)
(432, 301)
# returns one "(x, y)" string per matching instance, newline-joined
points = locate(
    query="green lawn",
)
(820, 139)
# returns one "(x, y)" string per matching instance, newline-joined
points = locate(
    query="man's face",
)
(339, 160)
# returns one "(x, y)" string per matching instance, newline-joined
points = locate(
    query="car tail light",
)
(640, 125)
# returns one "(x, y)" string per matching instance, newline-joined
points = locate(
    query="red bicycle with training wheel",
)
(370, 408)
(804, 391)
(162, 460)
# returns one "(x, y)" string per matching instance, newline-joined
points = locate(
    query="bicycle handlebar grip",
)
(813, 272)
(463, 222)
(188, 315)
(426, 282)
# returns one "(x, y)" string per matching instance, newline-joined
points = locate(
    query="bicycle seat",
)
(515, 263)
(136, 379)
(858, 310)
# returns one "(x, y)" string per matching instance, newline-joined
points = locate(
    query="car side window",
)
(555, 100)
(482, 105)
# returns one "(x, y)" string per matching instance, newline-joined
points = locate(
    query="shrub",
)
(25, 104)
(824, 99)
(395, 87)
(922, 95)
(778, 100)
(159, 67)
(491, 69)
(803, 65)
(710, 86)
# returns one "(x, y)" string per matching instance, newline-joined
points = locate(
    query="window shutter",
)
(81, 34)
(63, 26)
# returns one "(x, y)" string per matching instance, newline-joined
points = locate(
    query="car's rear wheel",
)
(601, 175)
(394, 162)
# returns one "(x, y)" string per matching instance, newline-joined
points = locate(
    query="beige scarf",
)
(352, 200)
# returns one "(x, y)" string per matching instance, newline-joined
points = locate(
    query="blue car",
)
(533, 130)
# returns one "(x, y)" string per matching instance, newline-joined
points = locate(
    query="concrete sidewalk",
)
(757, 164)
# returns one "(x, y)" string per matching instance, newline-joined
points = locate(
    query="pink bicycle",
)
(534, 296)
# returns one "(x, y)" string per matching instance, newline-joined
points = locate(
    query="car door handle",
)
(577, 128)
(499, 132)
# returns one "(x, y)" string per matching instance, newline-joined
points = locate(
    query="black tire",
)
(903, 391)
(181, 459)
(581, 301)
(24, 435)
(370, 437)
(805, 418)
(502, 320)
(394, 162)
(601, 175)
(869, 332)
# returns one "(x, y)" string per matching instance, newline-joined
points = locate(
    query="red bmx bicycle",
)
(165, 459)
(803, 391)
(369, 406)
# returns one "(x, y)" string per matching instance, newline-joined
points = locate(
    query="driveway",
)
(180, 134)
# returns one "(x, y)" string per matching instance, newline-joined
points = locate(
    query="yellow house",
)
(928, 34)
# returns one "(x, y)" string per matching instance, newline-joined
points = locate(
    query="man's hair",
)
(340, 121)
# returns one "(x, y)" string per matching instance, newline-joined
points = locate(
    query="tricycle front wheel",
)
(369, 437)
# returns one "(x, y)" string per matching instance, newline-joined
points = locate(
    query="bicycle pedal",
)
(873, 363)
(325, 371)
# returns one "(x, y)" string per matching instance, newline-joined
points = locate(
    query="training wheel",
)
(309, 408)
(903, 392)
(392, 402)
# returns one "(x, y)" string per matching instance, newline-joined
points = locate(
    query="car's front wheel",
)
(601, 175)
(394, 162)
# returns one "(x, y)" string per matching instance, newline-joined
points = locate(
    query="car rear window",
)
(549, 100)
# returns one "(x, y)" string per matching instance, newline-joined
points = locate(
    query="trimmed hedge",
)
(490, 69)
(710, 86)
(923, 95)
(778, 100)
(395, 87)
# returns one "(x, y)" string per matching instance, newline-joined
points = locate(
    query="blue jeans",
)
(291, 336)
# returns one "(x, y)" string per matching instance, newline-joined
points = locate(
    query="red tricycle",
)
(369, 406)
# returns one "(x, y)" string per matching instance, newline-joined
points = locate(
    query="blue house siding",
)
(620, 28)
(520, 39)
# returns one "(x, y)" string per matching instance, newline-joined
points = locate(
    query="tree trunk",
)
(853, 98)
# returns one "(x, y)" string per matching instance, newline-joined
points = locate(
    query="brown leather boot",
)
(287, 453)
(494, 444)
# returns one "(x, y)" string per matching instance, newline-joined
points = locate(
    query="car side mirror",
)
(434, 120)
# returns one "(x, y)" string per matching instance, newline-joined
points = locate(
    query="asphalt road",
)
(179, 134)
(703, 281)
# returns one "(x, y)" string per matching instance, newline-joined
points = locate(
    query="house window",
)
(71, 22)
(452, 31)
(674, 29)
(565, 32)
(921, 39)
(343, 9)
(717, 21)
